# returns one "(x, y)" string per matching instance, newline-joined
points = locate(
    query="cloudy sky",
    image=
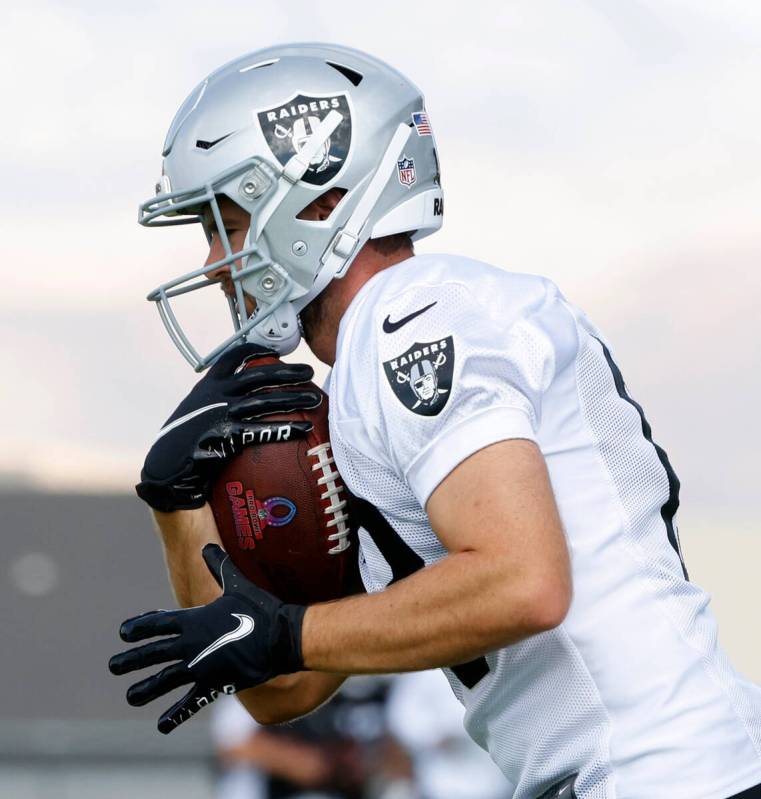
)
(612, 146)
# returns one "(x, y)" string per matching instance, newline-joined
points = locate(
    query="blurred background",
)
(611, 146)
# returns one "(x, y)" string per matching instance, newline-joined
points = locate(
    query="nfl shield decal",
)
(406, 169)
(421, 377)
(288, 126)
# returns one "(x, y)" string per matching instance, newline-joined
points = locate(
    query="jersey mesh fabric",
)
(406, 517)
(631, 691)
(643, 488)
(640, 478)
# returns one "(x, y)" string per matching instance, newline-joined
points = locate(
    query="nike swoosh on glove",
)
(217, 419)
(242, 639)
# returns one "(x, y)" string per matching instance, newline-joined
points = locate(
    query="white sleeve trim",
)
(460, 441)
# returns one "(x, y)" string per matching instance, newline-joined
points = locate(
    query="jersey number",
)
(404, 561)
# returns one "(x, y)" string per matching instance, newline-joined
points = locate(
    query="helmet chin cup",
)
(278, 330)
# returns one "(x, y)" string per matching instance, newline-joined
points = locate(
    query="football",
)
(281, 511)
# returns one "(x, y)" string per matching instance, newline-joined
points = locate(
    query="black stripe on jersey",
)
(669, 508)
(404, 561)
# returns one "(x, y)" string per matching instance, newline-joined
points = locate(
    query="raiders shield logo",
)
(421, 377)
(288, 126)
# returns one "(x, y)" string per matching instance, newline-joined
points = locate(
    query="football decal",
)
(421, 377)
(251, 516)
(288, 126)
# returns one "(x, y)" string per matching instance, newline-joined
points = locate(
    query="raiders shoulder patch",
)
(288, 126)
(421, 377)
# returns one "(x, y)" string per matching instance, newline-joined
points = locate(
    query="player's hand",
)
(215, 421)
(242, 639)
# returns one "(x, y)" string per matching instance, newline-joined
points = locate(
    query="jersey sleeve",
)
(460, 373)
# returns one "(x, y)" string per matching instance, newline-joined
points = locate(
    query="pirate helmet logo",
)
(421, 377)
(287, 128)
(423, 380)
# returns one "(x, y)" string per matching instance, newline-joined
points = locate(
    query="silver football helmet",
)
(272, 131)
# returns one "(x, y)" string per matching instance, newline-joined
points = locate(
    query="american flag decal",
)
(422, 125)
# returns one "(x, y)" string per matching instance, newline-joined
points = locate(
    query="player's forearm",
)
(460, 608)
(289, 696)
(183, 535)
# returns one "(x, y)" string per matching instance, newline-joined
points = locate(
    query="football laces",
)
(334, 491)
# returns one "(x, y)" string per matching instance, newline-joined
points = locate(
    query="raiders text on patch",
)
(391, 327)
(287, 128)
(421, 377)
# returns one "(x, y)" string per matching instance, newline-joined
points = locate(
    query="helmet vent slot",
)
(202, 144)
(349, 74)
(259, 65)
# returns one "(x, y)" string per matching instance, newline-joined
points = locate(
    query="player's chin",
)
(311, 318)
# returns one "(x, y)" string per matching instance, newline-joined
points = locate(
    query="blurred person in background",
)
(427, 720)
(343, 750)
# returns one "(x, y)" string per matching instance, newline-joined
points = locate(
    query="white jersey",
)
(440, 356)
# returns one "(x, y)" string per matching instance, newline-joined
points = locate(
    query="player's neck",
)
(321, 322)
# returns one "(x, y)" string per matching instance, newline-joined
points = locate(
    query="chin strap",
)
(345, 244)
(342, 249)
(279, 328)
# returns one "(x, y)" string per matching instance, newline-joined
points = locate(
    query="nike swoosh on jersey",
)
(245, 627)
(392, 327)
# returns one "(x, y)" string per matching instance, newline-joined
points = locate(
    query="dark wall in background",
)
(101, 563)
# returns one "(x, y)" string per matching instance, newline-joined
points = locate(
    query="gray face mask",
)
(272, 131)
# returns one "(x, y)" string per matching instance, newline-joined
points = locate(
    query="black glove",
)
(209, 425)
(244, 638)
